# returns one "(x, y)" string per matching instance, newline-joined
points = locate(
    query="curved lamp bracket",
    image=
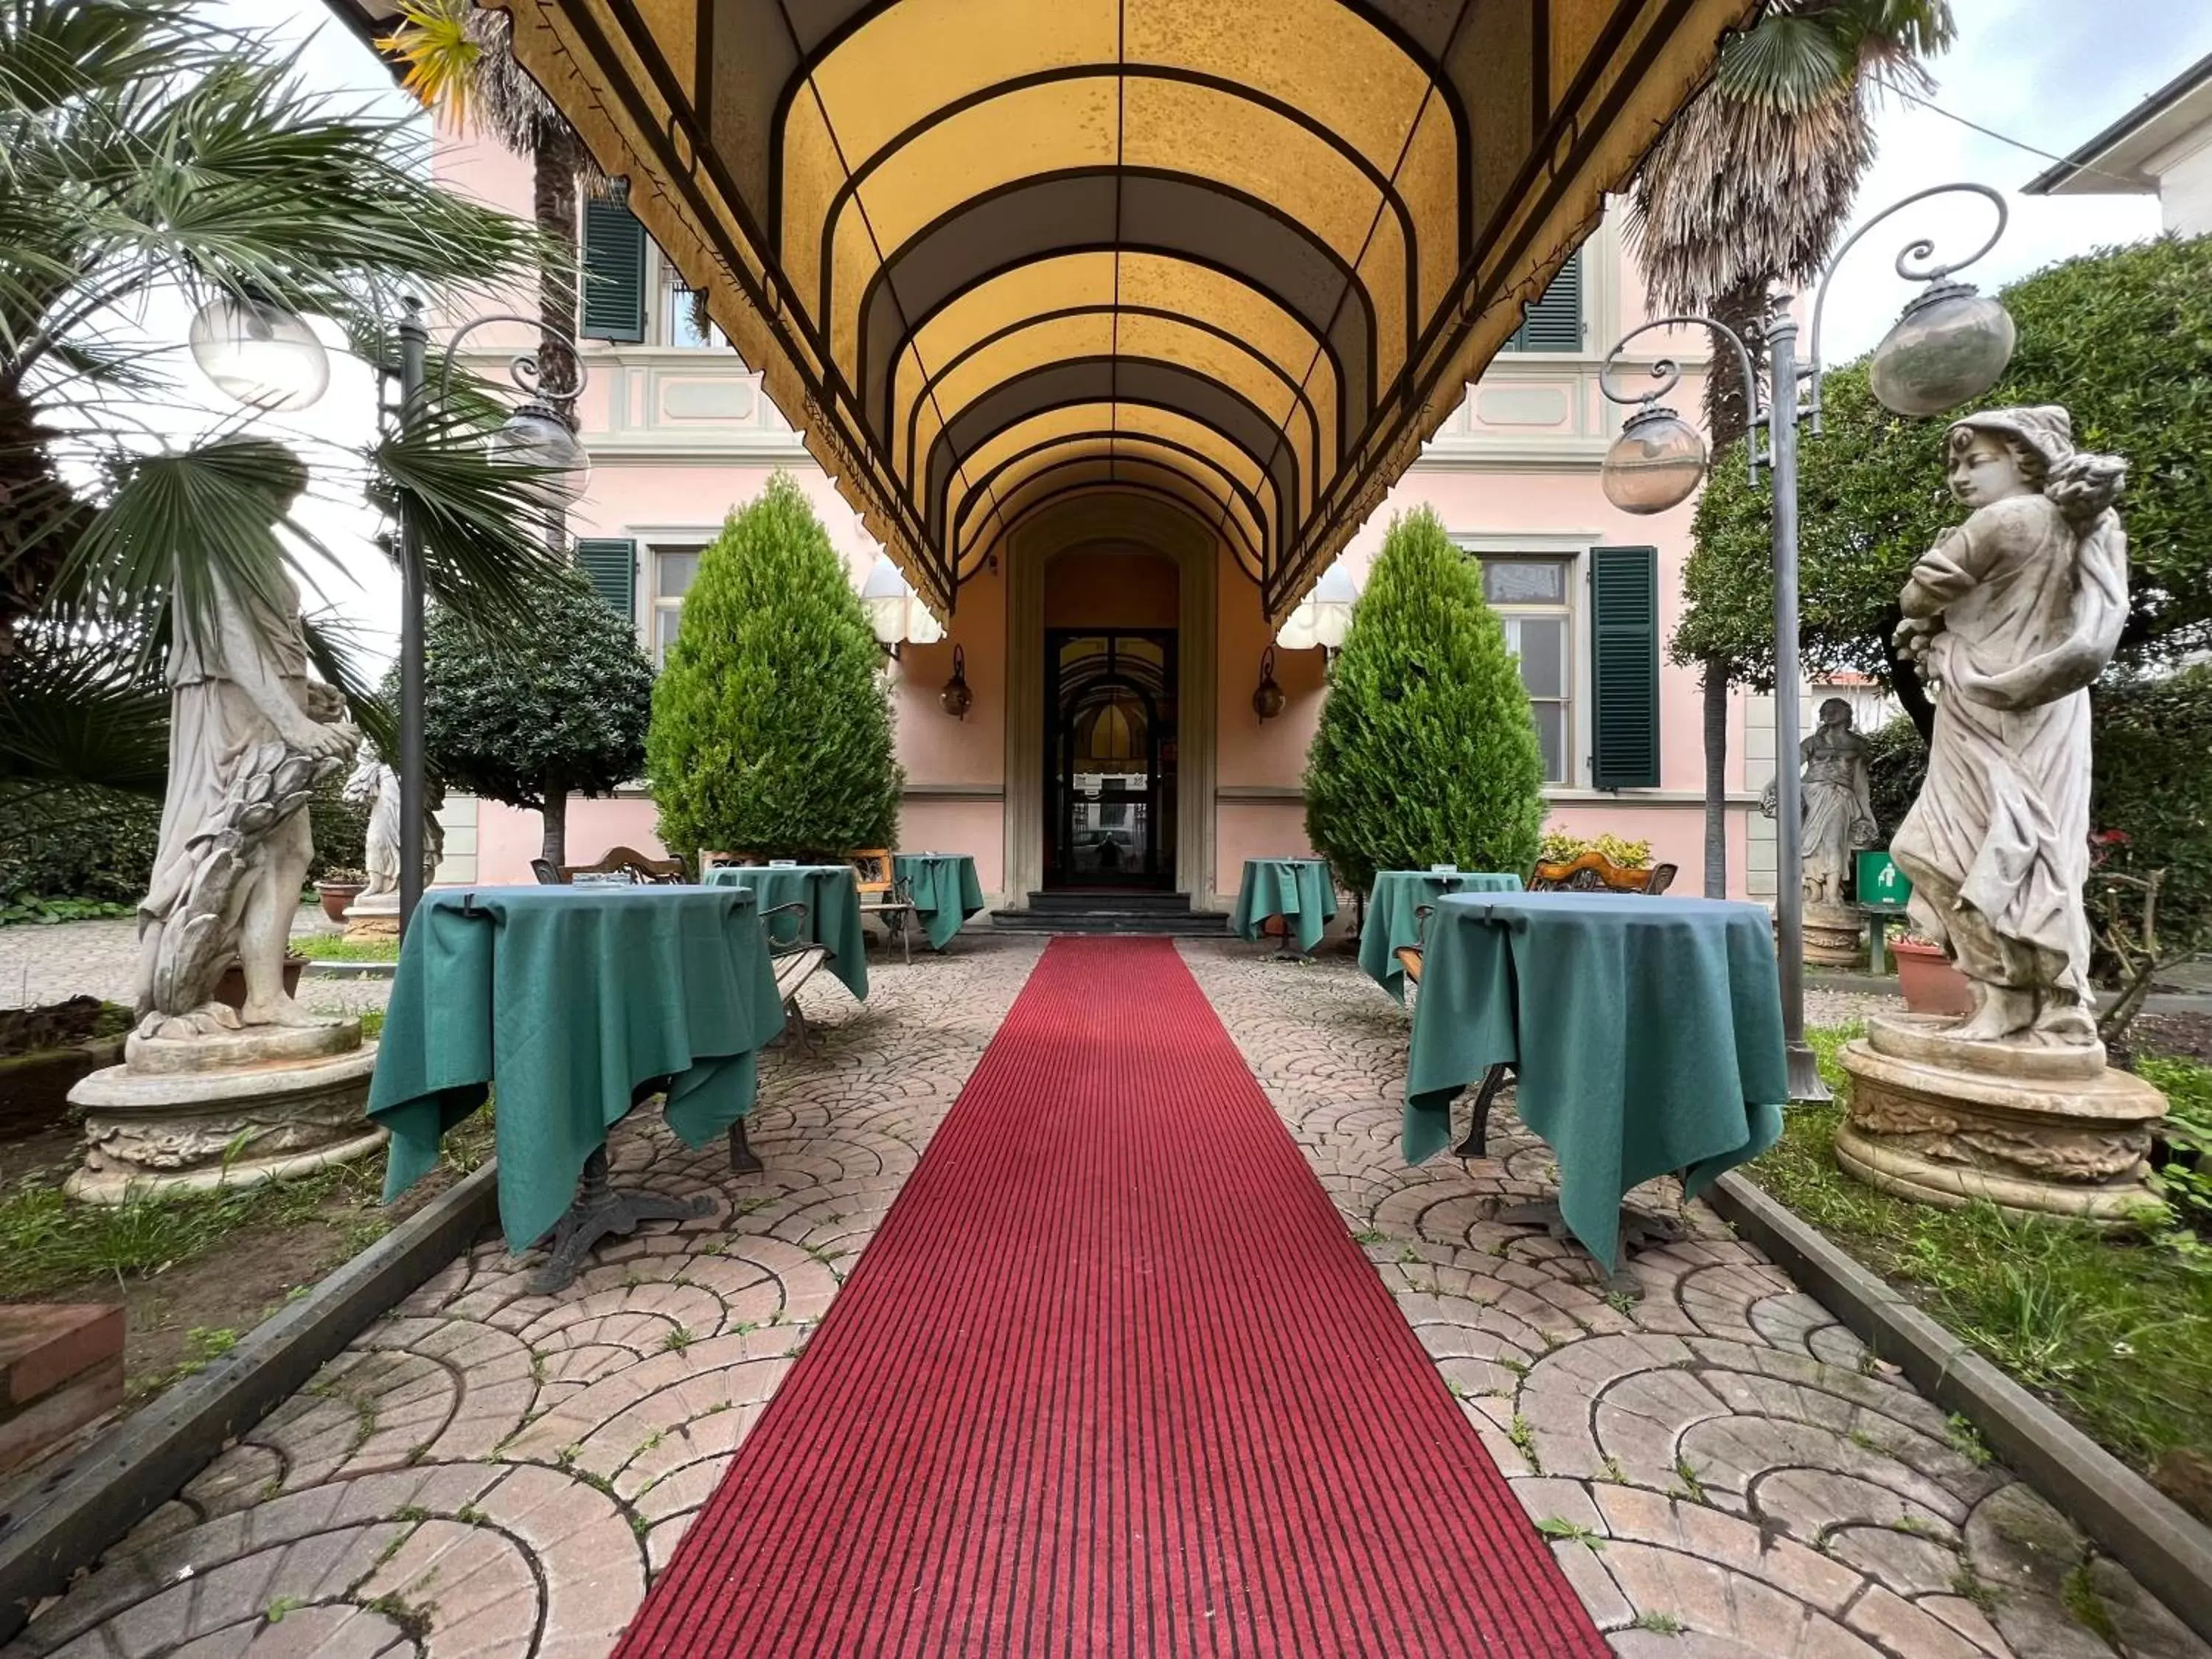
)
(1915, 263)
(1668, 374)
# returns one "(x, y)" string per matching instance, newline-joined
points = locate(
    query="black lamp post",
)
(1951, 345)
(267, 358)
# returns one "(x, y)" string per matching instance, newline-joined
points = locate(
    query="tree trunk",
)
(1716, 713)
(553, 205)
(40, 518)
(555, 849)
(1728, 417)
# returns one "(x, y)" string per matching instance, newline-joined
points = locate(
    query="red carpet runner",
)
(1113, 1379)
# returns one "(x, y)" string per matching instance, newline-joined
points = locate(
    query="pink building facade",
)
(680, 434)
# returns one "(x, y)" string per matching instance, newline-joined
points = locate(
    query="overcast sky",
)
(2049, 73)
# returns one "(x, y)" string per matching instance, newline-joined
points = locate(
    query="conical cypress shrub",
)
(1426, 752)
(771, 724)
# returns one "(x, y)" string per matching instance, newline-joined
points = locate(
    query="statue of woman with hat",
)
(2010, 618)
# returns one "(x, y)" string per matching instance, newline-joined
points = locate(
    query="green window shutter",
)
(610, 564)
(614, 273)
(1624, 583)
(1554, 322)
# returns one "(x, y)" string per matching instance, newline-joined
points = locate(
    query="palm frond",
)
(83, 709)
(1755, 179)
(478, 516)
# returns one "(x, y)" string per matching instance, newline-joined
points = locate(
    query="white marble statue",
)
(1838, 808)
(378, 784)
(2011, 617)
(250, 736)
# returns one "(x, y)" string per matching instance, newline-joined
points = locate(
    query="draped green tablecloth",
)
(944, 890)
(565, 998)
(831, 893)
(1647, 1033)
(1300, 891)
(1390, 921)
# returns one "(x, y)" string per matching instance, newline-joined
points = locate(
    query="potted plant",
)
(231, 988)
(1931, 982)
(339, 888)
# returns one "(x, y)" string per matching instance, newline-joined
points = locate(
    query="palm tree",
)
(147, 154)
(1748, 188)
(460, 63)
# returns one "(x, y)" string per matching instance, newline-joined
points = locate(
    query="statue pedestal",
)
(373, 916)
(1834, 936)
(227, 1109)
(2049, 1131)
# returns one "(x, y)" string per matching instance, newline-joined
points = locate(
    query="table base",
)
(743, 1159)
(601, 1209)
(1638, 1229)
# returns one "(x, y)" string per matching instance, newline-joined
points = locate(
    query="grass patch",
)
(2116, 1334)
(336, 947)
(50, 1243)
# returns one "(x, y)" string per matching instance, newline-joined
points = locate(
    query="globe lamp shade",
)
(1655, 462)
(1951, 345)
(1267, 697)
(956, 699)
(536, 436)
(258, 353)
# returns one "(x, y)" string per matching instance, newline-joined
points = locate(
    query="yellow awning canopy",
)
(1241, 255)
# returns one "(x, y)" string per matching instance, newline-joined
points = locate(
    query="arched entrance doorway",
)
(1110, 727)
(1109, 692)
(1110, 707)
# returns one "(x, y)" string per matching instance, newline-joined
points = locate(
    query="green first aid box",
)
(1880, 882)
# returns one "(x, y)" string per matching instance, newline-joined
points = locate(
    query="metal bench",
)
(1590, 873)
(794, 959)
(884, 897)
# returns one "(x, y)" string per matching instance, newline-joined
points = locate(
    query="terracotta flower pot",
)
(231, 988)
(1931, 984)
(337, 895)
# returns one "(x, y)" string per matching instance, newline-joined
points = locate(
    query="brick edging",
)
(84, 1508)
(2142, 1528)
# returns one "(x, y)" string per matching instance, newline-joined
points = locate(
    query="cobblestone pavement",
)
(485, 1471)
(488, 1471)
(1731, 1474)
(41, 965)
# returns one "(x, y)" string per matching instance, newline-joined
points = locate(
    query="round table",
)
(1300, 891)
(943, 889)
(1393, 921)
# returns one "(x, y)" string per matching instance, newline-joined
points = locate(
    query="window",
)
(1530, 595)
(1554, 321)
(682, 314)
(674, 569)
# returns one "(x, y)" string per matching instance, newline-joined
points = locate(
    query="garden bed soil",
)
(45, 1051)
(182, 1314)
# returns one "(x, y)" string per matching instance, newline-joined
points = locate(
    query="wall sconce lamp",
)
(1268, 701)
(956, 697)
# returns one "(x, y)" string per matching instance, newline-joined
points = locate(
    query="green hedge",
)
(98, 844)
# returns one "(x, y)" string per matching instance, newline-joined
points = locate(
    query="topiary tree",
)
(1426, 752)
(771, 723)
(2123, 338)
(530, 717)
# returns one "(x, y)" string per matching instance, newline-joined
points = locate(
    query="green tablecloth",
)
(1647, 1033)
(1300, 891)
(1390, 921)
(831, 894)
(565, 998)
(944, 890)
